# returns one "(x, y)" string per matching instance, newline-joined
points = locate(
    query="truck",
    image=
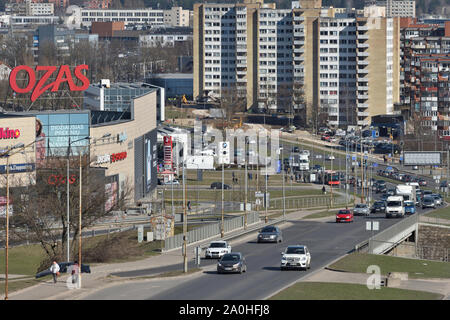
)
(303, 160)
(408, 192)
(395, 207)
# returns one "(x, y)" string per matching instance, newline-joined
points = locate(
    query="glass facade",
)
(59, 130)
(118, 98)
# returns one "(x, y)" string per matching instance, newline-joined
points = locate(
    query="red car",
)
(326, 138)
(344, 216)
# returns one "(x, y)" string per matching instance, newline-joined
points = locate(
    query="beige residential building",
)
(177, 17)
(343, 63)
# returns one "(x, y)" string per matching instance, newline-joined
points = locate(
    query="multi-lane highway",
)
(326, 240)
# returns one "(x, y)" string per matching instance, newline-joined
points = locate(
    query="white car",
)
(296, 256)
(217, 249)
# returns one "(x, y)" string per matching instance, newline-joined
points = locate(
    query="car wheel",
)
(309, 265)
(241, 270)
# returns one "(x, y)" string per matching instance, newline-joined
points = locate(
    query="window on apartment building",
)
(323, 41)
(323, 58)
(323, 33)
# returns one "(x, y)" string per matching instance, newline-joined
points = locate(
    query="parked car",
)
(330, 157)
(63, 266)
(428, 202)
(361, 209)
(218, 185)
(378, 206)
(270, 234)
(232, 262)
(174, 182)
(344, 216)
(296, 256)
(217, 249)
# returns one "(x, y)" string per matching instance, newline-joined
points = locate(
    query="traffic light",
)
(224, 152)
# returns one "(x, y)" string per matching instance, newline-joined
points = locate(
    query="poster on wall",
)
(111, 195)
(148, 173)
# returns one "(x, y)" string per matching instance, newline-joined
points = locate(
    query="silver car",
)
(361, 209)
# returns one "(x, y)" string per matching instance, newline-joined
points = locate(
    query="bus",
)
(331, 178)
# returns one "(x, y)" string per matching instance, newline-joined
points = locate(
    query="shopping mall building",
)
(123, 143)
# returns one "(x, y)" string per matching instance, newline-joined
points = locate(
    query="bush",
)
(116, 247)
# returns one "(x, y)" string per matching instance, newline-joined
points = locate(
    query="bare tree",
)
(40, 208)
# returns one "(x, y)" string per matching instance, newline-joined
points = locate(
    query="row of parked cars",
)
(295, 256)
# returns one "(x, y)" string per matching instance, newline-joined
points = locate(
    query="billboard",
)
(421, 158)
(200, 162)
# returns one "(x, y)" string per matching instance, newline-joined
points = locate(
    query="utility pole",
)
(362, 168)
(185, 264)
(222, 231)
(246, 176)
(7, 228)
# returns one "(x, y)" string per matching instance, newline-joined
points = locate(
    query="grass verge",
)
(442, 213)
(345, 291)
(321, 214)
(358, 263)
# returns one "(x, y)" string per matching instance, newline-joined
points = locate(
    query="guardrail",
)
(210, 230)
(383, 241)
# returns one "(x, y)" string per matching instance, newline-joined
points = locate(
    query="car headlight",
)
(236, 265)
(223, 251)
(219, 264)
(303, 259)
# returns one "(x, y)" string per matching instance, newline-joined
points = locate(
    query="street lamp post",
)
(67, 191)
(7, 154)
(80, 215)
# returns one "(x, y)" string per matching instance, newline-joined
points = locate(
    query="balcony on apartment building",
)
(363, 122)
(363, 36)
(362, 53)
(362, 105)
(362, 114)
(362, 96)
(363, 62)
(362, 45)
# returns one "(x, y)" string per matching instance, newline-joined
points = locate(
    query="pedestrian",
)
(75, 272)
(324, 191)
(189, 205)
(54, 269)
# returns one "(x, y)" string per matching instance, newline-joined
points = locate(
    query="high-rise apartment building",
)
(395, 8)
(425, 65)
(338, 62)
(177, 17)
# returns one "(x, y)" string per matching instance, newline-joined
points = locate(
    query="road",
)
(327, 241)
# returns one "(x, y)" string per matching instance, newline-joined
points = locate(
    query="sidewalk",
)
(98, 278)
(441, 286)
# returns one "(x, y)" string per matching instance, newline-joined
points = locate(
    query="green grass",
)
(358, 263)
(23, 260)
(345, 291)
(442, 213)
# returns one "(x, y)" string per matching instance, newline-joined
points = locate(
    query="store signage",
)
(121, 137)
(64, 75)
(7, 133)
(111, 158)
(58, 179)
(18, 168)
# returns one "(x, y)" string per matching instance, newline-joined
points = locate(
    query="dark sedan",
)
(378, 206)
(218, 185)
(232, 262)
(270, 234)
(63, 266)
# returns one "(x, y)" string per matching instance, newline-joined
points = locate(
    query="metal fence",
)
(210, 230)
(308, 202)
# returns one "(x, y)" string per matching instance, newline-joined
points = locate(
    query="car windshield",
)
(361, 205)
(344, 212)
(379, 203)
(231, 257)
(409, 203)
(269, 229)
(428, 199)
(394, 203)
(295, 250)
(217, 245)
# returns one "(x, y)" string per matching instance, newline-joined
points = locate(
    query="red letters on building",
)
(7, 133)
(64, 75)
(118, 156)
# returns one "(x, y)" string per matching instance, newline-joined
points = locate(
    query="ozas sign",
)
(39, 87)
